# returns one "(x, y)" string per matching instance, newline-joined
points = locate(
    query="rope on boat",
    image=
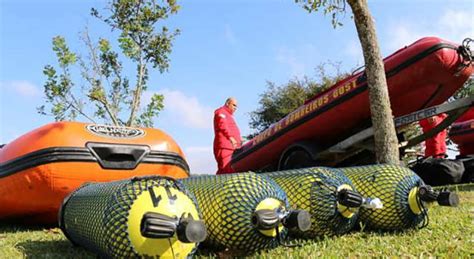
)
(467, 55)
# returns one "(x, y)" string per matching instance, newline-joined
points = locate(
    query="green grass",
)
(450, 234)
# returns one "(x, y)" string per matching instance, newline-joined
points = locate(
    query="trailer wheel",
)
(298, 158)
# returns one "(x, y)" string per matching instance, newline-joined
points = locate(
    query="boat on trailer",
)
(421, 75)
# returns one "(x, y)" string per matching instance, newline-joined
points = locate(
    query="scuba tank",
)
(327, 194)
(244, 212)
(140, 217)
(404, 196)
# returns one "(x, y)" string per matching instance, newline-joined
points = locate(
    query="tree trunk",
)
(137, 94)
(386, 143)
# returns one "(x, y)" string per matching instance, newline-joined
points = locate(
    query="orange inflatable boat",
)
(40, 168)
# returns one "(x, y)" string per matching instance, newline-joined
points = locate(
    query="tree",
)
(117, 100)
(386, 143)
(278, 101)
(466, 90)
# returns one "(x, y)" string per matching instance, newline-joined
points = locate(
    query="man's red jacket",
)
(224, 128)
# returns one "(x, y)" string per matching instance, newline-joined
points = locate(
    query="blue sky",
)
(226, 48)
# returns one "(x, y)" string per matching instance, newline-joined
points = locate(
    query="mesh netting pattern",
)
(392, 185)
(95, 216)
(315, 190)
(227, 203)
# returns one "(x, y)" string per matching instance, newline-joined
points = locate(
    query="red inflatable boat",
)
(420, 75)
(462, 133)
(38, 169)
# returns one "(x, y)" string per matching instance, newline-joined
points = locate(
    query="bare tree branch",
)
(137, 93)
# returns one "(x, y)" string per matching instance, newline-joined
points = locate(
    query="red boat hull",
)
(418, 76)
(462, 133)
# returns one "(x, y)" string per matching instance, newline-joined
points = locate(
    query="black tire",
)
(295, 159)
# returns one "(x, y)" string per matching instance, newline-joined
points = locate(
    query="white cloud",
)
(354, 51)
(229, 35)
(21, 87)
(201, 160)
(453, 25)
(300, 60)
(199, 149)
(288, 57)
(187, 109)
(457, 25)
(403, 34)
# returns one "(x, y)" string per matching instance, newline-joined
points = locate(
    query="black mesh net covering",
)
(228, 202)
(392, 185)
(105, 217)
(315, 190)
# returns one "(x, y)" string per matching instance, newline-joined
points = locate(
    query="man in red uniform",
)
(435, 146)
(226, 136)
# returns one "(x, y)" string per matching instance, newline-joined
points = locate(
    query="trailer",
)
(333, 127)
(359, 148)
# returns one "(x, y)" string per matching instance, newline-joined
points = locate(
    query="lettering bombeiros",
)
(304, 110)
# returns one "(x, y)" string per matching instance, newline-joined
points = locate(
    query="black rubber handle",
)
(298, 219)
(444, 197)
(426, 193)
(349, 198)
(265, 219)
(118, 156)
(447, 198)
(188, 230)
(191, 231)
(156, 225)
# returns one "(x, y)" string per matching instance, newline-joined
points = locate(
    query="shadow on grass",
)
(8, 228)
(358, 230)
(52, 249)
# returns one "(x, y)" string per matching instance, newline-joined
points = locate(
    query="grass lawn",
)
(450, 234)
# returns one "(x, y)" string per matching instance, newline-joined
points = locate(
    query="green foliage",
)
(466, 90)
(278, 101)
(136, 21)
(57, 87)
(410, 131)
(64, 55)
(151, 110)
(112, 93)
(332, 7)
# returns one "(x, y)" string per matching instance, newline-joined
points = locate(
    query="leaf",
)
(64, 55)
(278, 101)
(142, 41)
(104, 45)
